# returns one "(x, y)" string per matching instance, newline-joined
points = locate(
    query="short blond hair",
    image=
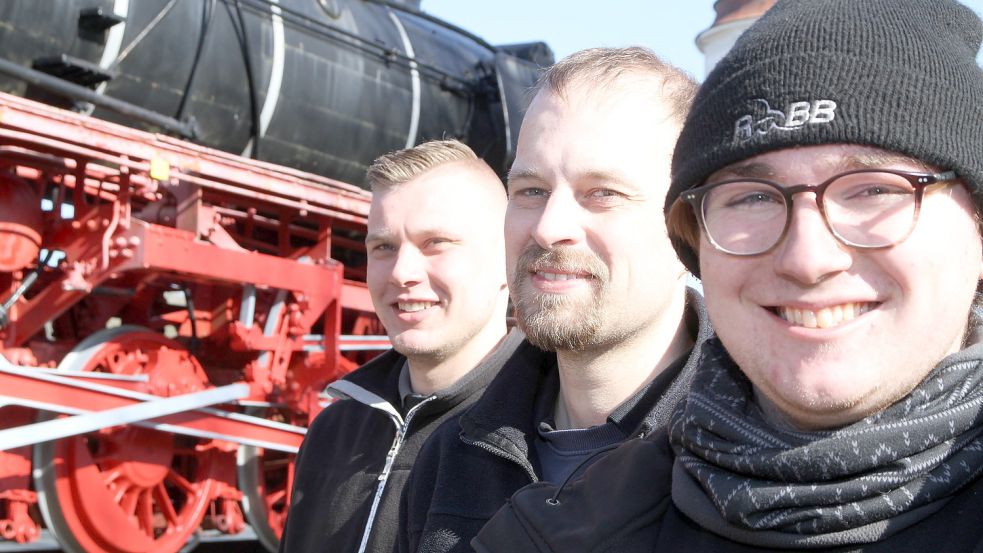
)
(600, 68)
(402, 166)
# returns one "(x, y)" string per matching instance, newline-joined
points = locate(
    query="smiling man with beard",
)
(593, 278)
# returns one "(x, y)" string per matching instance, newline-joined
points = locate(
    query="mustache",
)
(563, 258)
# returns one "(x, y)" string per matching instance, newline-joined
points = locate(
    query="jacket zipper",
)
(401, 428)
(503, 454)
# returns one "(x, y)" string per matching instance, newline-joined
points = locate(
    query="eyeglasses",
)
(865, 209)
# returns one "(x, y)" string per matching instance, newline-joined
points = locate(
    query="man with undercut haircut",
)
(593, 278)
(828, 189)
(436, 275)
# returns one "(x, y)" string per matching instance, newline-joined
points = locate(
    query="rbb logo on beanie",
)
(766, 119)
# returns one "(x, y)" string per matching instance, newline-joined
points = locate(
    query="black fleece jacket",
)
(458, 485)
(623, 504)
(471, 466)
(356, 455)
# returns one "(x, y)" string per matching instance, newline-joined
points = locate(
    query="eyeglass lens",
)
(869, 209)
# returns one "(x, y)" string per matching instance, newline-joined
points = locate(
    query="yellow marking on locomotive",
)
(159, 169)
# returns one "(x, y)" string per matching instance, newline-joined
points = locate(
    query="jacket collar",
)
(380, 376)
(509, 402)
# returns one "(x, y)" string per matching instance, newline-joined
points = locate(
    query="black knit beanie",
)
(896, 74)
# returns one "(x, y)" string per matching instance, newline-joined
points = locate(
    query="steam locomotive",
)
(322, 86)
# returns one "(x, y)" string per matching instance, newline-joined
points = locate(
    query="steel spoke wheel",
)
(127, 489)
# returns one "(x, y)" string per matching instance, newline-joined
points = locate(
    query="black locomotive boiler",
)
(323, 86)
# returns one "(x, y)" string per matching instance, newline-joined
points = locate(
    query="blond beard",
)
(555, 322)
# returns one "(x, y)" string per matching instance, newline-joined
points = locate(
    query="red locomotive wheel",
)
(127, 489)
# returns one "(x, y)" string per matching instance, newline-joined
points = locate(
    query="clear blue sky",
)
(669, 27)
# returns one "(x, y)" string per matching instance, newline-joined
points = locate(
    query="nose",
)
(809, 253)
(409, 267)
(558, 223)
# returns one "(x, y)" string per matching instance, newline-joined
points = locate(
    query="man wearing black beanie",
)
(828, 189)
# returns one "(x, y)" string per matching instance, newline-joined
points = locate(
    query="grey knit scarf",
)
(742, 478)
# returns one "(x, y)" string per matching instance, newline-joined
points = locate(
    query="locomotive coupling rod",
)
(185, 414)
(77, 92)
(56, 429)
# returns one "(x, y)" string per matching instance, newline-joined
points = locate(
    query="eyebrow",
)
(607, 175)
(378, 236)
(592, 175)
(871, 160)
(526, 173)
(878, 160)
(386, 235)
(750, 170)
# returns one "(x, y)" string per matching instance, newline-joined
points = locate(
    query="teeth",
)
(809, 319)
(557, 276)
(414, 306)
(826, 317)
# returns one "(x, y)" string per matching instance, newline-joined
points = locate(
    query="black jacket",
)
(355, 458)
(617, 506)
(627, 501)
(623, 504)
(470, 467)
(459, 482)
